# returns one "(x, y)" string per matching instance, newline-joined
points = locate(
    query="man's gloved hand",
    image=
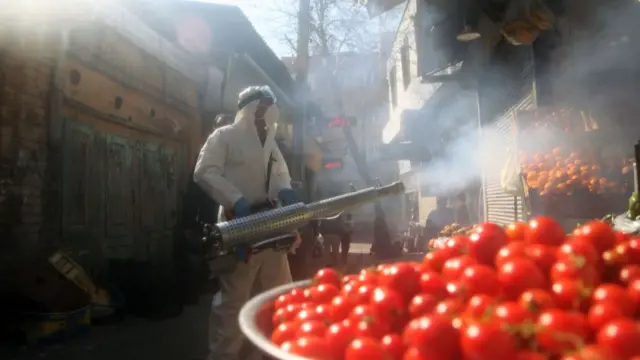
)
(241, 208)
(288, 196)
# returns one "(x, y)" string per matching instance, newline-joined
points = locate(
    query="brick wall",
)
(26, 63)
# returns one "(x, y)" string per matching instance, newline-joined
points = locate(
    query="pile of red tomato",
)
(527, 292)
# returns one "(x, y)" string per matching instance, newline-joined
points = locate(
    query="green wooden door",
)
(119, 197)
(81, 191)
(151, 184)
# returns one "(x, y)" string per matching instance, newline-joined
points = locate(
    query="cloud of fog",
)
(460, 161)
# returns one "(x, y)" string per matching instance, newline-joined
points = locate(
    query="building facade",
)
(100, 124)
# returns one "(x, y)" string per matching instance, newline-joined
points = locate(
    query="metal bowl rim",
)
(247, 321)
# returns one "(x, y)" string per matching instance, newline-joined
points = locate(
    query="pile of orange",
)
(562, 173)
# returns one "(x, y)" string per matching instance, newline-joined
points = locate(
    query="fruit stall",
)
(578, 167)
(527, 292)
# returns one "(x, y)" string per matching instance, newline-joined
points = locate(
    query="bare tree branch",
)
(340, 30)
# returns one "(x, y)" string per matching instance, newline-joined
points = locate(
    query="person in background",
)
(438, 218)
(337, 236)
(241, 167)
(345, 238)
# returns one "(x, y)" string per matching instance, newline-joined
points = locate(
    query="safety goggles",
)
(263, 94)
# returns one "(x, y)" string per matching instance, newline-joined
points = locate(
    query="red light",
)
(337, 122)
(333, 165)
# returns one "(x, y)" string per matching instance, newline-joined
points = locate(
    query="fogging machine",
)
(275, 228)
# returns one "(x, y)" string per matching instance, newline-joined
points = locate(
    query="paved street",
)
(181, 338)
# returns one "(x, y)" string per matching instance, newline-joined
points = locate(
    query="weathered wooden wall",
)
(26, 62)
(97, 165)
(131, 128)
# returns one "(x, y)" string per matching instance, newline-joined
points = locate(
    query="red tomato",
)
(591, 352)
(327, 276)
(286, 314)
(310, 314)
(457, 290)
(629, 273)
(586, 273)
(338, 337)
(543, 255)
(364, 293)
(452, 268)
(364, 349)
(598, 233)
(622, 237)
(284, 332)
(393, 346)
(431, 283)
(614, 294)
(350, 290)
(349, 278)
(388, 304)
(516, 231)
(324, 311)
(621, 337)
(634, 292)
(600, 314)
(311, 328)
(480, 279)
(536, 300)
(341, 307)
(435, 259)
(485, 242)
(417, 354)
(373, 328)
(578, 250)
(422, 304)
(323, 293)
(450, 307)
(553, 322)
(361, 312)
(308, 347)
(435, 335)
(633, 251)
(519, 275)
(403, 278)
(512, 250)
(458, 243)
(511, 313)
(530, 355)
(282, 301)
(487, 341)
(544, 230)
(570, 294)
(480, 307)
(368, 277)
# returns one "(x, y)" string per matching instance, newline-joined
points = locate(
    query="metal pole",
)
(302, 69)
(484, 178)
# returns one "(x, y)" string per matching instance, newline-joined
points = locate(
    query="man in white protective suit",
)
(241, 166)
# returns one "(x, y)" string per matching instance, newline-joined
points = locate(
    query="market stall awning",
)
(416, 123)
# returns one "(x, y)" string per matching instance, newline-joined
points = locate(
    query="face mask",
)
(272, 116)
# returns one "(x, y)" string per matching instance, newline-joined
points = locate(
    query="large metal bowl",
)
(255, 320)
(256, 315)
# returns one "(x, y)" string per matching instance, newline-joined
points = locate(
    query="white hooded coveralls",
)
(233, 164)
